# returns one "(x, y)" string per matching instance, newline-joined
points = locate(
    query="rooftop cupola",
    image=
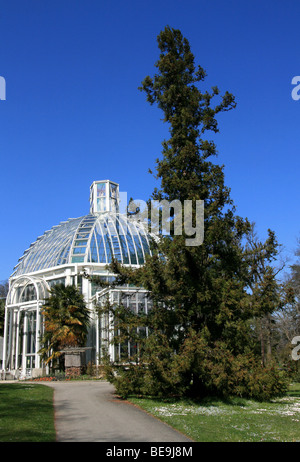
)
(104, 197)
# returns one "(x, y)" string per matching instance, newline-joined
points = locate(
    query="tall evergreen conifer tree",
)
(199, 340)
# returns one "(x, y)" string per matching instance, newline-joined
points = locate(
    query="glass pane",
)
(77, 259)
(82, 242)
(79, 250)
(82, 235)
(100, 189)
(101, 204)
(108, 248)
(131, 249)
(141, 303)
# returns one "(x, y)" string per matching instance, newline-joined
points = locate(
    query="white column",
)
(24, 344)
(111, 331)
(17, 338)
(37, 335)
(13, 338)
(68, 277)
(96, 317)
(85, 289)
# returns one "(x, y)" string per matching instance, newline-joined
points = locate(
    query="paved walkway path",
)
(90, 412)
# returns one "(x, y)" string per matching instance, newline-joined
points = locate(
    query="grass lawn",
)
(26, 413)
(235, 420)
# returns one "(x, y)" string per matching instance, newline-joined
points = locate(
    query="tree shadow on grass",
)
(205, 401)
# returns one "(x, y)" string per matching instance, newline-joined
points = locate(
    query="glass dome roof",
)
(94, 238)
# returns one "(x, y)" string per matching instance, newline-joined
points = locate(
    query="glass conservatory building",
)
(61, 255)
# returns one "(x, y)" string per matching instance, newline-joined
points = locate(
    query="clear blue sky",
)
(73, 113)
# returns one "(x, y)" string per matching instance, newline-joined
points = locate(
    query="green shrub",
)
(216, 370)
(198, 370)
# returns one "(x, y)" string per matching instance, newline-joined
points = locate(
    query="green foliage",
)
(220, 372)
(198, 369)
(91, 369)
(66, 321)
